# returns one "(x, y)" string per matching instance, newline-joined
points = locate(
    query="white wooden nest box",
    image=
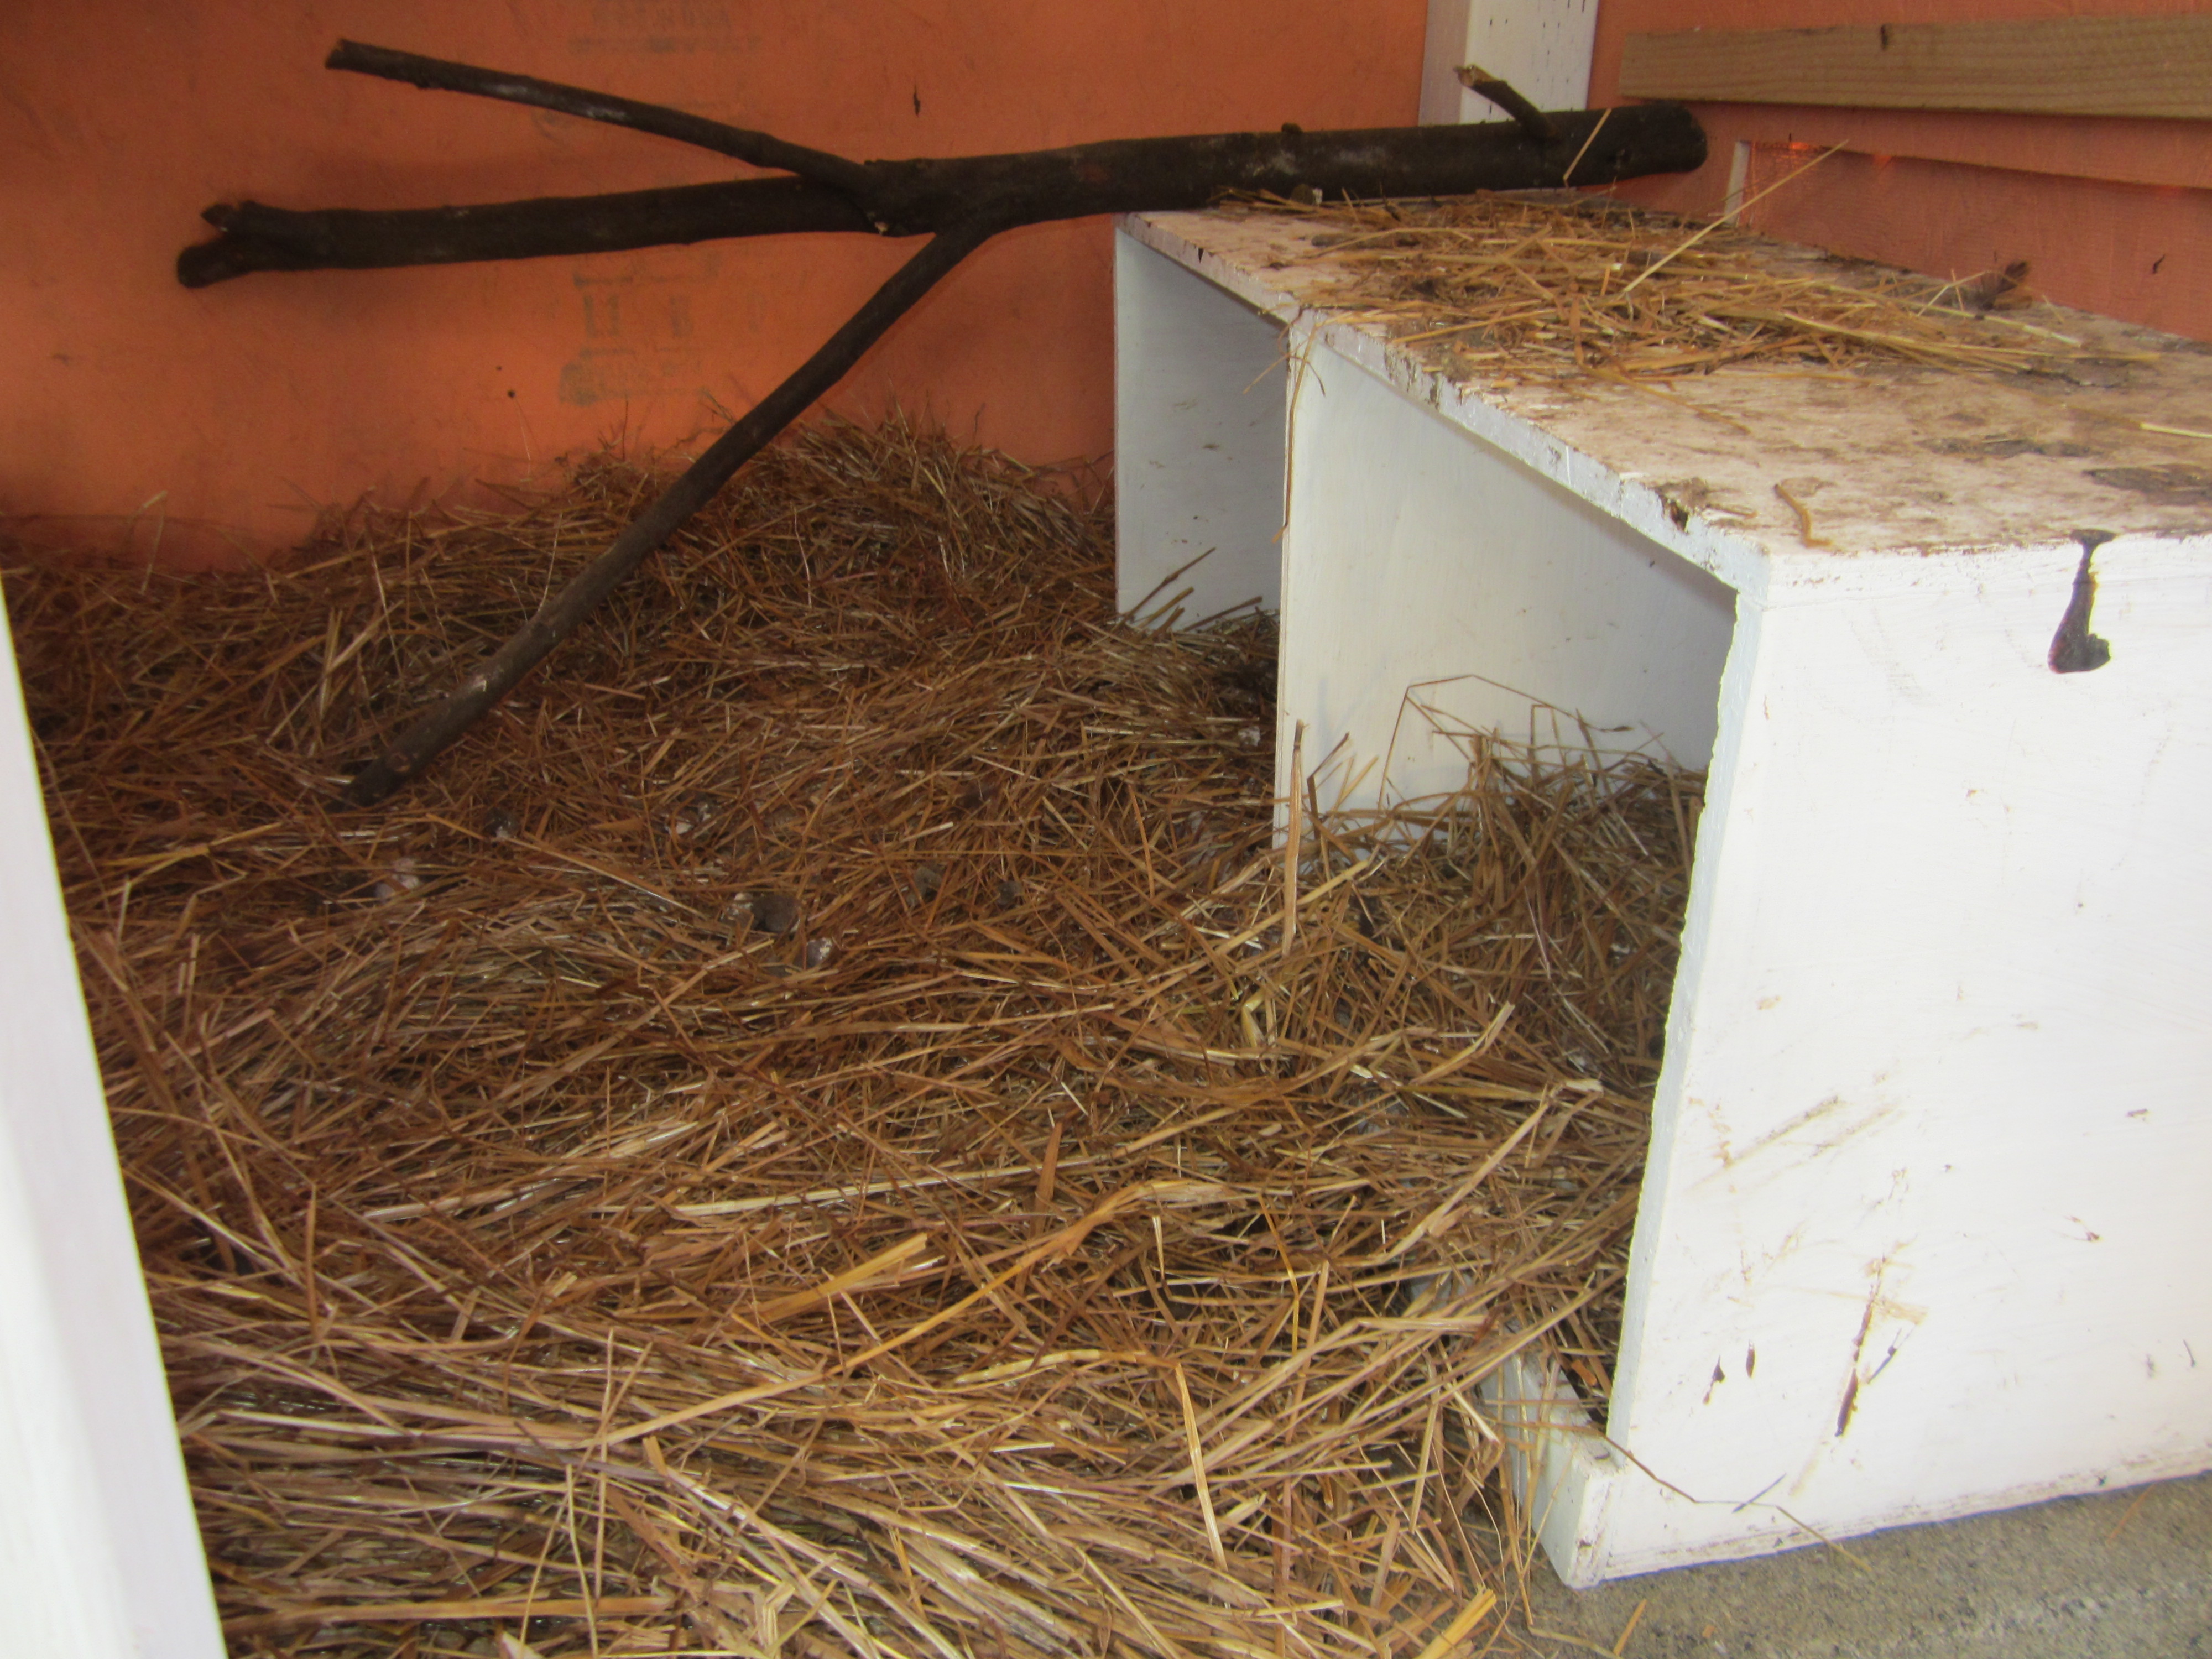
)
(1924, 1227)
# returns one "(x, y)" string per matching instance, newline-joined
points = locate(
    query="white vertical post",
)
(98, 1555)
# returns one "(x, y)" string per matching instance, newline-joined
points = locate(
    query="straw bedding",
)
(1554, 289)
(804, 1135)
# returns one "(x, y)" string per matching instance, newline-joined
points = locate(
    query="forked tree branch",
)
(758, 149)
(913, 197)
(960, 202)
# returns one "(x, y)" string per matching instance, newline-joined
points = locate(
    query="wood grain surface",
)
(2127, 66)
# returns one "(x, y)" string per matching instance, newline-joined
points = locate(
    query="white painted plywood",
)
(1434, 585)
(98, 1555)
(1198, 434)
(1921, 1227)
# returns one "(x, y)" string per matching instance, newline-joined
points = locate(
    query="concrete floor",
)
(2123, 1575)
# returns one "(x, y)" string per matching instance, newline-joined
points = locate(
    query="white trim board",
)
(100, 1557)
(1198, 477)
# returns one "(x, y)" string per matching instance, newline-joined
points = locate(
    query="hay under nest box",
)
(811, 1131)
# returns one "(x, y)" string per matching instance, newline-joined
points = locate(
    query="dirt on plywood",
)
(1556, 287)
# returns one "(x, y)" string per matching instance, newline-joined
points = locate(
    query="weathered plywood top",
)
(1748, 465)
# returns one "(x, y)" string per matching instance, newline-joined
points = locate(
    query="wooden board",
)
(2131, 66)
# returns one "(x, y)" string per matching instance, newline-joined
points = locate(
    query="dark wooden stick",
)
(914, 198)
(557, 618)
(1531, 120)
(258, 238)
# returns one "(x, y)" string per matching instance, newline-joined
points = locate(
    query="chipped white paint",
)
(1540, 47)
(1921, 1229)
(1927, 1143)
(98, 1555)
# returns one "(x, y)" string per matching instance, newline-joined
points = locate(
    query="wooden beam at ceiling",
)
(2129, 66)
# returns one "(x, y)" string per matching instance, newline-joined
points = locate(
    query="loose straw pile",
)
(804, 1135)
(1512, 291)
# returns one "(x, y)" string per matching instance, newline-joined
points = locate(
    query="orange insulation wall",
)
(2112, 215)
(199, 426)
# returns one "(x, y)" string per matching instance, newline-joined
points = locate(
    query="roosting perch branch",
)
(911, 198)
(960, 202)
